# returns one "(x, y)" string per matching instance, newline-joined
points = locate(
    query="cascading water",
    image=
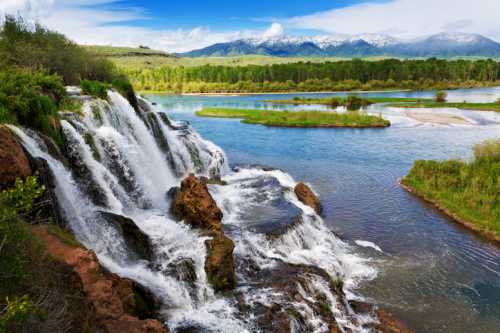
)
(124, 162)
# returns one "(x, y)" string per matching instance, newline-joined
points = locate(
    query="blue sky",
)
(228, 14)
(177, 26)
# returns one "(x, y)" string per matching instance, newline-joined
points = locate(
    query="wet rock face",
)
(51, 209)
(13, 161)
(136, 240)
(112, 299)
(307, 197)
(219, 264)
(194, 204)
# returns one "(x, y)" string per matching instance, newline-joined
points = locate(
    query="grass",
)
(467, 191)
(351, 119)
(463, 106)
(339, 101)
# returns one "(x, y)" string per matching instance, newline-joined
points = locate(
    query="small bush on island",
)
(440, 97)
(469, 190)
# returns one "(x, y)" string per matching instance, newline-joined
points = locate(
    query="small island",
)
(349, 102)
(430, 104)
(465, 191)
(307, 119)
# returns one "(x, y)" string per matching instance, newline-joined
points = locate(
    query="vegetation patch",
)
(462, 106)
(467, 191)
(298, 119)
(344, 101)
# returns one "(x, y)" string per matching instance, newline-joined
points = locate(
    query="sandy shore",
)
(439, 118)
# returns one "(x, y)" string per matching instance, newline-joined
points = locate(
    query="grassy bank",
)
(462, 106)
(466, 191)
(298, 119)
(341, 101)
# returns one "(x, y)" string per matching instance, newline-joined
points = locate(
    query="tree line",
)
(307, 76)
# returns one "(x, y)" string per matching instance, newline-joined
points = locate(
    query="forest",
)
(345, 75)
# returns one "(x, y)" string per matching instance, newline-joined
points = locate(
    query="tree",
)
(440, 96)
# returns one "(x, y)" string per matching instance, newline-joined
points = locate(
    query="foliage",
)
(17, 311)
(327, 76)
(31, 99)
(16, 240)
(440, 97)
(338, 101)
(298, 118)
(469, 190)
(94, 88)
(22, 45)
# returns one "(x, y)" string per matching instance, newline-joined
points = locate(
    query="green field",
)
(467, 191)
(351, 119)
(462, 106)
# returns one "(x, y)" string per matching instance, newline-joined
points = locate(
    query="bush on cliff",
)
(31, 99)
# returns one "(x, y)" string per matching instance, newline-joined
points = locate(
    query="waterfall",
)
(124, 162)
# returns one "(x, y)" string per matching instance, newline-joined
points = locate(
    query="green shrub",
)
(39, 48)
(31, 99)
(16, 240)
(94, 88)
(440, 97)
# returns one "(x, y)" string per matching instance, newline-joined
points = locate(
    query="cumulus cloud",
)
(275, 30)
(104, 22)
(407, 18)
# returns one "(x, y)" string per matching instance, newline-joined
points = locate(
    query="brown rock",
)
(388, 324)
(219, 264)
(194, 204)
(13, 161)
(111, 297)
(307, 196)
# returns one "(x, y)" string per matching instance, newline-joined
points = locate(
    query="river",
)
(432, 273)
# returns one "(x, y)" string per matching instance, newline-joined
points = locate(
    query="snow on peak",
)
(275, 36)
(458, 37)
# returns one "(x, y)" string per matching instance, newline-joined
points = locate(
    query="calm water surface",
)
(433, 274)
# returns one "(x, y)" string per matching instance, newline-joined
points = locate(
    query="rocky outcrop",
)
(13, 161)
(307, 197)
(219, 264)
(135, 239)
(194, 204)
(112, 299)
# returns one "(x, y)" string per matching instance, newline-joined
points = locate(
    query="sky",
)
(178, 26)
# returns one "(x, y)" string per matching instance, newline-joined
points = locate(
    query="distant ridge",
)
(439, 45)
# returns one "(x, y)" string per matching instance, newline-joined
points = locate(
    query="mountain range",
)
(439, 45)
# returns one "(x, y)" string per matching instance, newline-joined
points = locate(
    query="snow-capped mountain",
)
(440, 45)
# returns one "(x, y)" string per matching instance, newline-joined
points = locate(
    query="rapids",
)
(124, 161)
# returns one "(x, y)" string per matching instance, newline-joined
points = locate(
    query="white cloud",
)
(275, 30)
(407, 18)
(88, 23)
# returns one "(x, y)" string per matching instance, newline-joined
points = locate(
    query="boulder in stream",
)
(307, 197)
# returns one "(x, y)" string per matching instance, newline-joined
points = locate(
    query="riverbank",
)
(342, 101)
(465, 191)
(455, 217)
(461, 106)
(305, 119)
